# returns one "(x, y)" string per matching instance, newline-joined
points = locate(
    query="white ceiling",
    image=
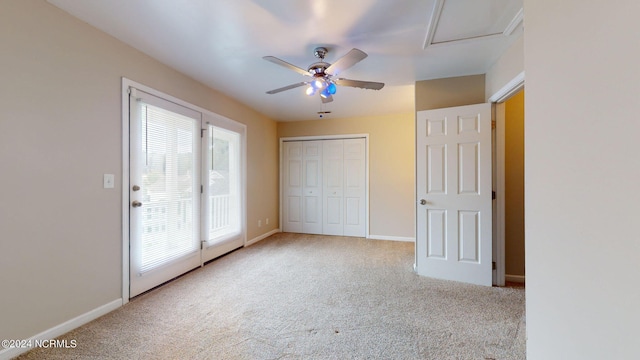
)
(221, 44)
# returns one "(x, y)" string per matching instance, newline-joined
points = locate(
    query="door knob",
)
(136, 203)
(423, 202)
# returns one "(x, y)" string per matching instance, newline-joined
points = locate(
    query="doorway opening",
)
(509, 241)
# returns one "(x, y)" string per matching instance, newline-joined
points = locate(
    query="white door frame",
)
(328, 137)
(126, 83)
(512, 87)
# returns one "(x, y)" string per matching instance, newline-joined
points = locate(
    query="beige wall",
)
(60, 131)
(448, 92)
(506, 68)
(581, 174)
(391, 166)
(514, 184)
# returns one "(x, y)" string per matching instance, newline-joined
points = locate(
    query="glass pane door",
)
(224, 184)
(165, 193)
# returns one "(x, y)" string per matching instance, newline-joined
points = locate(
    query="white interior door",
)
(453, 186)
(312, 187)
(164, 193)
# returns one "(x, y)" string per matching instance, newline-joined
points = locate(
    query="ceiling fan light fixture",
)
(311, 90)
(325, 93)
(331, 88)
(318, 83)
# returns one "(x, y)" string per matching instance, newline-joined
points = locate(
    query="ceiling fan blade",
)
(292, 86)
(327, 99)
(351, 58)
(283, 63)
(360, 84)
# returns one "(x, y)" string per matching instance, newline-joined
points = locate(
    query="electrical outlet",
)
(259, 223)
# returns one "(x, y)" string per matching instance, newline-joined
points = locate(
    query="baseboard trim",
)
(261, 237)
(391, 238)
(63, 328)
(514, 278)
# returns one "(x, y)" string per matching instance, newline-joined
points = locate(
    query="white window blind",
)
(170, 186)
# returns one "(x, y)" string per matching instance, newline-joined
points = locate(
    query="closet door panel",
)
(333, 174)
(355, 187)
(312, 187)
(292, 187)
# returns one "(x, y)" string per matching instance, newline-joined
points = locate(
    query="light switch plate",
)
(108, 181)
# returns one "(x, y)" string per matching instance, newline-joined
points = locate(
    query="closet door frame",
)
(327, 137)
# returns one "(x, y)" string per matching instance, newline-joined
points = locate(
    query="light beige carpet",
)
(297, 296)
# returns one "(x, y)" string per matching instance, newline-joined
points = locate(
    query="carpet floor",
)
(294, 296)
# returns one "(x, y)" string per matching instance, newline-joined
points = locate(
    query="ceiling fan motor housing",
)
(318, 69)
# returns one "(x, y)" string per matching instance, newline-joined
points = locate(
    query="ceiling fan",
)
(324, 75)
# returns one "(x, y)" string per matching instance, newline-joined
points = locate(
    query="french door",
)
(185, 193)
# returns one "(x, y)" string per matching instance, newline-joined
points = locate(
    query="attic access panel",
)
(460, 20)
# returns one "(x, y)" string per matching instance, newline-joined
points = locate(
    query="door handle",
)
(136, 203)
(423, 202)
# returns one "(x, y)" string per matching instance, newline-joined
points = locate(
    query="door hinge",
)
(202, 244)
(493, 124)
(493, 265)
(201, 189)
(493, 195)
(202, 132)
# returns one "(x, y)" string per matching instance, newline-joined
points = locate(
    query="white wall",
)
(582, 172)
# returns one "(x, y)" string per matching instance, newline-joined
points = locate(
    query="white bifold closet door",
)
(303, 187)
(333, 186)
(354, 187)
(292, 187)
(324, 187)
